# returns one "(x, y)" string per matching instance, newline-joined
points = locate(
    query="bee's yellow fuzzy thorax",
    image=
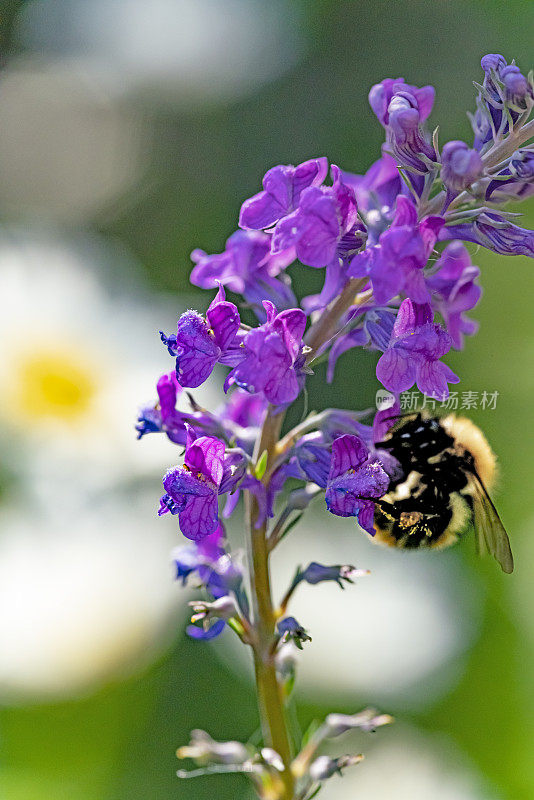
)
(466, 434)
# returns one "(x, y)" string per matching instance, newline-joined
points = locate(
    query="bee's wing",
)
(490, 535)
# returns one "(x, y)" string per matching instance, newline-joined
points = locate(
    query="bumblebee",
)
(440, 490)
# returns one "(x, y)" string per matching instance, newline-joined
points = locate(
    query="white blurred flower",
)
(76, 362)
(68, 150)
(189, 51)
(83, 601)
(395, 636)
(408, 767)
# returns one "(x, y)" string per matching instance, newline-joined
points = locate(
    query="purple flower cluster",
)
(398, 280)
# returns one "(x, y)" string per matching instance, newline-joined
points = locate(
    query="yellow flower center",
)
(51, 385)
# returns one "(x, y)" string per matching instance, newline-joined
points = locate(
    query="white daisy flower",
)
(77, 361)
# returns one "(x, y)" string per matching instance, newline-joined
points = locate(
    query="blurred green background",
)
(197, 156)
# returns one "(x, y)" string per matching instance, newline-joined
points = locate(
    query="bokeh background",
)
(130, 132)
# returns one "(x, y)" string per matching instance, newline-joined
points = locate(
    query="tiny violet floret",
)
(413, 354)
(291, 630)
(396, 264)
(192, 490)
(354, 481)
(273, 360)
(247, 267)
(200, 343)
(282, 188)
(454, 291)
(317, 573)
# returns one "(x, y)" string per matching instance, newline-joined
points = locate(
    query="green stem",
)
(270, 692)
(322, 331)
(270, 695)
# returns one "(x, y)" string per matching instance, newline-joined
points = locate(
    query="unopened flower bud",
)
(516, 85)
(203, 749)
(460, 166)
(522, 164)
(492, 61)
(272, 758)
(291, 630)
(405, 134)
(286, 660)
(324, 767)
(367, 720)
(317, 573)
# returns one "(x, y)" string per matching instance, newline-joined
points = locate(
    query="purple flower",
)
(191, 490)
(313, 458)
(272, 356)
(164, 416)
(291, 630)
(454, 291)
(217, 571)
(354, 481)
(208, 633)
(247, 267)
(325, 215)
(200, 343)
(460, 166)
(382, 93)
(192, 558)
(396, 264)
(241, 417)
(517, 177)
(318, 573)
(282, 187)
(413, 354)
(494, 232)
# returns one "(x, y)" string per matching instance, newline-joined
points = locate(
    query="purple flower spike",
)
(246, 267)
(382, 93)
(191, 490)
(273, 356)
(413, 354)
(460, 166)
(396, 264)
(454, 291)
(200, 343)
(354, 481)
(282, 187)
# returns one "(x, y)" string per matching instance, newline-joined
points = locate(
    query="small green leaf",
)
(261, 466)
